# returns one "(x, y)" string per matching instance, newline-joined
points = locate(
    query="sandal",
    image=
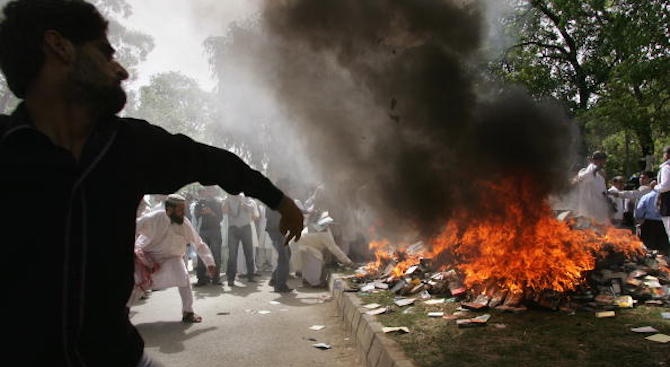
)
(191, 317)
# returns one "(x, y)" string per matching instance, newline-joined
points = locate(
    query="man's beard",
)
(176, 219)
(89, 88)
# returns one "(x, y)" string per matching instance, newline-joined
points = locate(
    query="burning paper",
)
(517, 251)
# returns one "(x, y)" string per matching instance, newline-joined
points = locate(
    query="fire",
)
(519, 245)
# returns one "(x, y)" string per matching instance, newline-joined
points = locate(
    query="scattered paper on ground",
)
(317, 327)
(644, 329)
(404, 301)
(481, 319)
(263, 312)
(435, 314)
(660, 338)
(605, 314)
(371, 306)
(322, 346)
(377, 311)
(434, 301)
(475, 321)
(368, 287)
(380, 285)
(275, 303)
(392, 329)
(665, 315)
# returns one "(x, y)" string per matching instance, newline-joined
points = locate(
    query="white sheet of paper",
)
(404, 301)
(436, 301)
(660, 338)
(371, 306)
(377, 311)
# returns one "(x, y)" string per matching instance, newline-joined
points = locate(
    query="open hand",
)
(291, 222)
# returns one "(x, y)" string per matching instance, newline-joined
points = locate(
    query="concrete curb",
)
(374, 347)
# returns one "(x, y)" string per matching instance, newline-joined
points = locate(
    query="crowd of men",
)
(641, 204)
(178, 227)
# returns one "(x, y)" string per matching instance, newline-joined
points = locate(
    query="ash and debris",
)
(616, 283)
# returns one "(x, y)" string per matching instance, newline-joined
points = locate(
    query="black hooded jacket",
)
(69, 231)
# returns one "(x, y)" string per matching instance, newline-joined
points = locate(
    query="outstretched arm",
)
(291, 223)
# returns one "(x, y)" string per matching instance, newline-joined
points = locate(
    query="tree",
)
(606, 60)
(176, 102)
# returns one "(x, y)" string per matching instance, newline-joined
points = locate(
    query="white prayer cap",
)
(175, 199)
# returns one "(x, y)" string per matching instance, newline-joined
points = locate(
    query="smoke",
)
(383, 102)
(394, 115)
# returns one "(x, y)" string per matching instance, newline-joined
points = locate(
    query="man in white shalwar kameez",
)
(591, 200)
(160, 245)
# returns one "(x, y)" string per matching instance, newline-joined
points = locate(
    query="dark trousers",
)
(653, 235)
(213, 239)
(235, 236)
(280, 274)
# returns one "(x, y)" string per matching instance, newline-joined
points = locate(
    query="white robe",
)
(309, 253)
(590, 200)
(166, 243)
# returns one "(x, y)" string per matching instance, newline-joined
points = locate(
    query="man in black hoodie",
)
(65, 143)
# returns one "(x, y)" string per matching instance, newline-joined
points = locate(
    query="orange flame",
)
(522, 247)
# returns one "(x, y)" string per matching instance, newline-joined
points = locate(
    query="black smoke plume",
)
(393, 112)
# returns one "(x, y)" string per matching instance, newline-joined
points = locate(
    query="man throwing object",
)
(160, 246)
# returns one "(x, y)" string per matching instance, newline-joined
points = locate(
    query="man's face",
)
(644, 179)
(96, 78)
(176, 214)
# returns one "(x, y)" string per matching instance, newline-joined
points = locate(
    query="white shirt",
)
(591, 201)
(161, 239)
(663, 178)
(240, 211)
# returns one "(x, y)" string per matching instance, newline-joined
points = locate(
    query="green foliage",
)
(608, 62)
(176, 102)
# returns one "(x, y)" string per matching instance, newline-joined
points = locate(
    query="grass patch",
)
(530, 338)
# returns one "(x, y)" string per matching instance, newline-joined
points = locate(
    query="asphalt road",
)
(248, 325)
